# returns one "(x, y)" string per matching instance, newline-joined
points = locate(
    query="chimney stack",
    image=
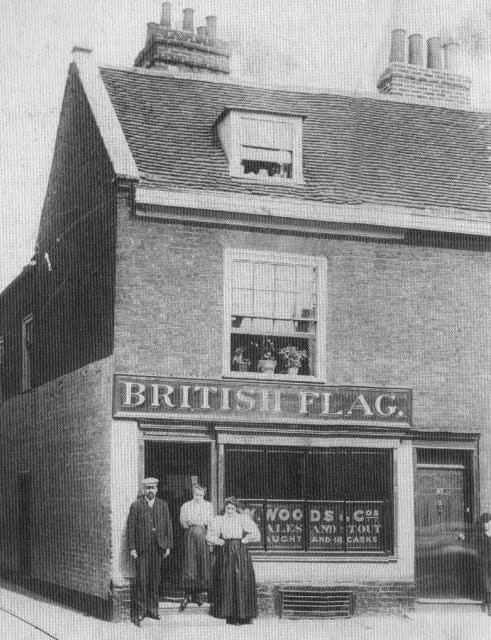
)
(416, 50)
(184, 52)
(188, 20)
(428, 81)
(165, 20)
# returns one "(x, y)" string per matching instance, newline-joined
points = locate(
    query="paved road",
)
(428, 622)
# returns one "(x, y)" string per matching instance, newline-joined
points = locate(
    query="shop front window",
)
(336, 501)
(274, 315)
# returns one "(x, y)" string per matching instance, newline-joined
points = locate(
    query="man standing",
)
(149, 540)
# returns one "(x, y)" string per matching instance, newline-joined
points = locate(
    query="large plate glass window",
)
(336, 501)
(274, 314)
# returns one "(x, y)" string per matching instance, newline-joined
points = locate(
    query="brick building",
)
(199, 239)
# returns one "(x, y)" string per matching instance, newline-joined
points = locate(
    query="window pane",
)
(262, 325)
(368, 475)
(285, 474)
(284, 305)
(326, 478)
(264, 276)
(263, 303)
(260, 132)
(285, 278)
(242, 302)
(306, 279)
(244, 474)
(326, 530)
(284, 524)
(305, 305)
(255, 509)
(365, 526)
(242, 274)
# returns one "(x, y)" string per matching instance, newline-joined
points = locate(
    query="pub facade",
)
(282, 295)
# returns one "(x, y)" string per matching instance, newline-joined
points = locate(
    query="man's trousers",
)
(147, 567)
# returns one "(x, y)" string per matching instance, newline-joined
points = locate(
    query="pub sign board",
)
(257, 401)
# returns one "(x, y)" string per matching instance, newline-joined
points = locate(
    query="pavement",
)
(25, 616)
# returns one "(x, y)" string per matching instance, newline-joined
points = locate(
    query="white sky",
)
(333, 44)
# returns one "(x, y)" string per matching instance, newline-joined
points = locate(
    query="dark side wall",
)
(71, 286)
(58, 434)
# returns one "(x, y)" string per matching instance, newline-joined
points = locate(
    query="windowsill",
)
(285, 377)
(269, 180)
(302, 556)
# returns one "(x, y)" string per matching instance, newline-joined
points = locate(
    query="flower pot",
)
(292, 371)
(243, 366)
(267, 366)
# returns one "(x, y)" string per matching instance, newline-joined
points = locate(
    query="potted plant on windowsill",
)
(267, 364)
(239, 361)
(293, 358)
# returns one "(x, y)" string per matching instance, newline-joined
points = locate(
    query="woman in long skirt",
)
(485, 560)
(234, 582)
(195, 517)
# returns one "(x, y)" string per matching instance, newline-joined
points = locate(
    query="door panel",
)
(443, 561)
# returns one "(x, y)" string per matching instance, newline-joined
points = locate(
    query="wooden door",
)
(440, 510)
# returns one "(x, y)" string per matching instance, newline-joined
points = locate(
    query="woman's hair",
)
(232, 500)
(485, 517)
(198, 486)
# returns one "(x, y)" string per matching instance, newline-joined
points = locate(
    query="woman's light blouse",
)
(226, 527)
(196, 513)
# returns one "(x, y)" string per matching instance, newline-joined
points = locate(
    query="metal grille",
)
(312, 602)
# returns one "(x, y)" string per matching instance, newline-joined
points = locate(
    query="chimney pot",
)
(211, 28)
(398, 46)
(434, 53)
(165, 20)
(450, 54)
(188, 20)
(416, 50)
(202, 34)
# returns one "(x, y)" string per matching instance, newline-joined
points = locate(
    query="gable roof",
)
(356, 150)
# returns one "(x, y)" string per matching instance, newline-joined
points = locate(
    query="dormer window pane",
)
(263, 145)
(266, 133)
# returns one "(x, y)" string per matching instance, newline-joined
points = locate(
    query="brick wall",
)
(430, 86)
(60, 433)
(397, 314)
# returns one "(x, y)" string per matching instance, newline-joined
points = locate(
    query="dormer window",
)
(262, 145)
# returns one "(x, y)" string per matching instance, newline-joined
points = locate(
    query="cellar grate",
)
(316, 602)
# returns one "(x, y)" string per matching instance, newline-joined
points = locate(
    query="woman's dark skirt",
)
(197, 562)
(234, 583)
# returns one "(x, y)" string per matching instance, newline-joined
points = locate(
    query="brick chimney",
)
(430, 79)
(184, 50)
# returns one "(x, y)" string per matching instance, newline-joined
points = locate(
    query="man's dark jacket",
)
(140, 525)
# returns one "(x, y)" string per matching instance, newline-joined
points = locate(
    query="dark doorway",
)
(446, 563)
(177, 466)
(24, 522)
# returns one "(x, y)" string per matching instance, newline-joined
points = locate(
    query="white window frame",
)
(231, 131)
(320, 263)
(26, 356)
